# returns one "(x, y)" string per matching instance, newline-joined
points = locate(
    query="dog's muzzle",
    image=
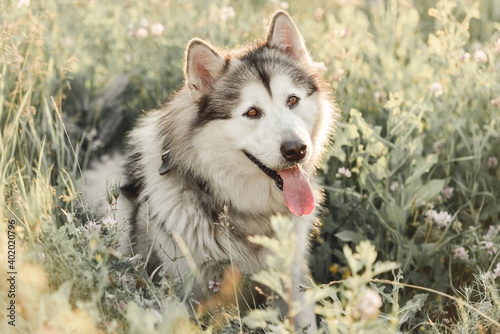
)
(268, 171)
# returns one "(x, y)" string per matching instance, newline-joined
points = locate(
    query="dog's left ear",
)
(283, 33)
(203, 65)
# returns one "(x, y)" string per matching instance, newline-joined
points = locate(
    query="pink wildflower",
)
(492, 162)
(490, 248)
(214, 286)
(460, 253)
(496, 271)
(344, 171)
(448, 192)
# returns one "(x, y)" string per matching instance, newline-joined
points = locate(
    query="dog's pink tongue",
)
(297, 190)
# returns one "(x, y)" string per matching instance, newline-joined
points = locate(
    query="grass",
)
(413, 167)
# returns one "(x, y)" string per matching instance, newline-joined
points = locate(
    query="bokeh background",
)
(413, 165)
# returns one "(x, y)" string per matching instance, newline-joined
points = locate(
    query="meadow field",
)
(409, 241)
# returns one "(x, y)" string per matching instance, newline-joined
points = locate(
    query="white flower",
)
(480, 56)
(284, 5)
(495, 102)
(227, 13)
(394, 186)
(157, 29)
(497, 46)
(144, 23)
(344, 171)
(22, 3)
(109, 222)
(436, 89)
(460, 253)
(142, 32)
(370, 304)
(442, 219)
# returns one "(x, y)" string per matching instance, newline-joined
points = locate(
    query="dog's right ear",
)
(203, 66)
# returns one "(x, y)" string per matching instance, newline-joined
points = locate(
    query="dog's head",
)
(265, 111)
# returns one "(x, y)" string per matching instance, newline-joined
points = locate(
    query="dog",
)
(243, 136)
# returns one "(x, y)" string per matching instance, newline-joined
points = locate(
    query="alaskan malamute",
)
(245, 133)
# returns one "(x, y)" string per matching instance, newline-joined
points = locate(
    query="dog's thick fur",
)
(201, 151)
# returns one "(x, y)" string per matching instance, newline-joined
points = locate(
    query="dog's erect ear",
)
(203, 65)
(283, 33)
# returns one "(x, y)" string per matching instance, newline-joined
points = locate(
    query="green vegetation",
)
(413, 166)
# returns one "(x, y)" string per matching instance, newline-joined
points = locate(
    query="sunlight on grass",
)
(412, 177)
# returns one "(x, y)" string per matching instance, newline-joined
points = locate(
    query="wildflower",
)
(495, 102)
(344, 171)
(497, 46)
(334, 268)
(141, 32)
(465, 57)
(492, 232)
(144, 23)
(345, 32)
(21, 3)
(91, 226)
(492, 162)
(157, 29)
(496, 271)
(460, 253)
(394, 186)
(370, 304)
(487, 277)
(214, 286)
(227, 13)
(109, 222)
(442, 219)
(448, 192)
(437, 147)
(457, 226)
(480, 56)
(490, 248)
(284, 5)
(436, 89)
(339, 74)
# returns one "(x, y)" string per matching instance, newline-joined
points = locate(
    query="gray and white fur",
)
(200, 152)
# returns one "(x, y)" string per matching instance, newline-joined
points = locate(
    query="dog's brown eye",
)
(252, 113)
(292, 100)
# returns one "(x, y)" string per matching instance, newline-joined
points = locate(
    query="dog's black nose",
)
(294, 150)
